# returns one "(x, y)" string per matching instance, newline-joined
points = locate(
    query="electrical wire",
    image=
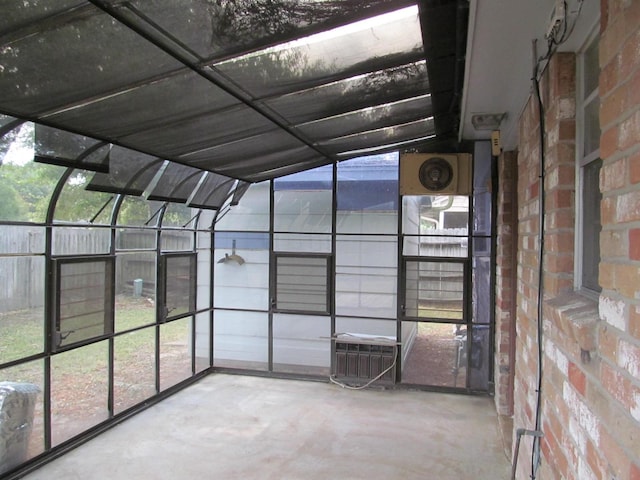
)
(552, 46)
(535, 451)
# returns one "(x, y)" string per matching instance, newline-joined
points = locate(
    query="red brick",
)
(614, 454)
(577, 378)
(635, 472)
(612, 244)
(627, 280)
(629, 56)
(613, 175)
(634, 244)
(608, 77)
(634, 160)
(609, 142)
(634, 321)
(604, 15)
(628, 206)
(613, 106)
(608, 344)
(595, 460)
(631, 17)
(633, 89)
(629, 131)
(608, 211)
(606, 275)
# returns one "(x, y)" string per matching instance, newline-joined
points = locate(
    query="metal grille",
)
(361, 362)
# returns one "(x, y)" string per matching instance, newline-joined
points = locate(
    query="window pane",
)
(241, 340)
(135, 290)
(434, 290)
(134, 368)
(312, 243)
(135, 239)
(241, 271)
(591, 68)
(21, 307)
(591, 126)
(22, 414)
(252, 213)
(303, 201)
(83, 300)
(368, 195)
(79, 390)
(591, 225)
(202, 346)
(301, 284)
(175, 352)
(25, 186)
(366, 276)
(179, 283)
(366, 327)
(434, 354)
(76, 204)
(176, 240)
(301, 344)
(80, 241)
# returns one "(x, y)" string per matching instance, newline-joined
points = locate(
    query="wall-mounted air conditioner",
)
(435, 174)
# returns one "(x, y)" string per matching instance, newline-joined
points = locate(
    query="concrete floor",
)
(239, 427)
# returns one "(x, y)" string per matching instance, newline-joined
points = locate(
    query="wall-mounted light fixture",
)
(487, 121)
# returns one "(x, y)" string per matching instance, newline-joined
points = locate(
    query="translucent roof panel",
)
(197, 97)
(59, 147)
(380, 116)
(212, 192)
(33, 11)
(353, 93)
(82, 56)
(129, 173)
(387, 40)
(409, 132)
(225, 28)
(200, 132)
(251, 89)
(8, 123)
(267, 150)
(176, 184)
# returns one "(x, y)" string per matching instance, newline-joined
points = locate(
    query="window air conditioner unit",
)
(435, 174)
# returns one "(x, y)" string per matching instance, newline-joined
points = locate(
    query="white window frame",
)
(583, 99)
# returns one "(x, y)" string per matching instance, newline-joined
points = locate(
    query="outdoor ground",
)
(79, 377)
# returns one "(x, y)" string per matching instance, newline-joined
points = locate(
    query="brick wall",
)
(591, 349)
(505, 282)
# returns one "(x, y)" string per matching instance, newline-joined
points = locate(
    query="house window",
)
(84, 299)
(302, 283)
(588, 174)
(177, 285)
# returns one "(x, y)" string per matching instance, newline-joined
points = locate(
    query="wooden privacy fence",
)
(22, 259)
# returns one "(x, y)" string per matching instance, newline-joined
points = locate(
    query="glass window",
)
(434, 290)
(84, 299)
(367, 195)
(303, 201)
(25, 186)
(366, 276)
(252, 213)
(21, 306)
(241, 270)
(302, 283)
(178, 285)
(589, 165)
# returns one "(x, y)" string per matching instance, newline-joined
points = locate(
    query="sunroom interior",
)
(197, 187)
